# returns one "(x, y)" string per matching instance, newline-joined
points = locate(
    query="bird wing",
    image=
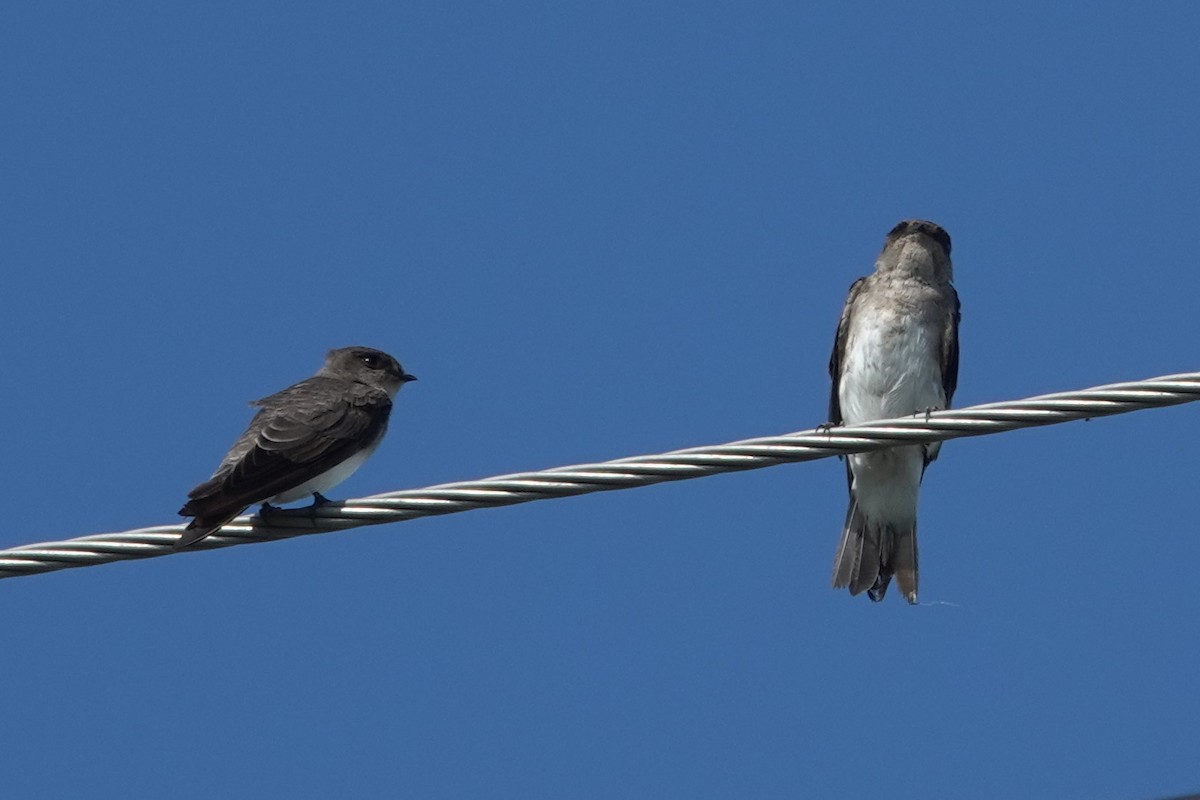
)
(839, 352)
(950, 347)
(289, 443)
(949, 365)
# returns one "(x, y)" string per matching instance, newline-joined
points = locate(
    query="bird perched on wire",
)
(304, 440)
(896, 353)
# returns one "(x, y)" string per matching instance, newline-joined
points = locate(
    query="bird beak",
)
(405, 377)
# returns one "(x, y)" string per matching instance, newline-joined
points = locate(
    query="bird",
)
(303, 441)
(895, 354)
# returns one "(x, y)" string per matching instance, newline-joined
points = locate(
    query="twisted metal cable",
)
(623, 473)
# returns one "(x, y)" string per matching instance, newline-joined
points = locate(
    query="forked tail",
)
(870, 554)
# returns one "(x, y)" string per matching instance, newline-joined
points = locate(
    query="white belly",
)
(891, 368)
(325, 481)
(887, 484)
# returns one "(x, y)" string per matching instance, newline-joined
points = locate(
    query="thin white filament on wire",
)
(623, 473)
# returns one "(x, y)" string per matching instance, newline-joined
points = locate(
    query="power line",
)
(624, 473)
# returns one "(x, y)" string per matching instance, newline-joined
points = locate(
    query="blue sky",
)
(595, 231)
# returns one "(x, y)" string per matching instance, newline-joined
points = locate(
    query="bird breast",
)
(891, 368)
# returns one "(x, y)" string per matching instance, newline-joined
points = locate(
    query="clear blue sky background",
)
(595, 231)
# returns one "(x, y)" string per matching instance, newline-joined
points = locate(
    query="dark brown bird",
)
(304, 440)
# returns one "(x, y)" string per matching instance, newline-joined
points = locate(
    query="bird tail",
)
(903, 562)
(869, 555)
(194, 533)
(202, 526)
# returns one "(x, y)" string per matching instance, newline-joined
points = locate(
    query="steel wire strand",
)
(622, 473)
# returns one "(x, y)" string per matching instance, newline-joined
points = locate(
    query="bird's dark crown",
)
(930, 229)
(371, 359)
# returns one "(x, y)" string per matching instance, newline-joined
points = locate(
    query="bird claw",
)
(319, 501)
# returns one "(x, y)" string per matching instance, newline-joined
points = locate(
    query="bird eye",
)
(371, 360)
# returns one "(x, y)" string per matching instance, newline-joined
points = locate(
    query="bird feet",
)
(319, 500)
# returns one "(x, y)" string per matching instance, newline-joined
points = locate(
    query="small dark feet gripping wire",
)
(266, 511)
(623, 473)
(319, 500)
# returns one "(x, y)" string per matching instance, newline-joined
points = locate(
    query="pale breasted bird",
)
(896, 354)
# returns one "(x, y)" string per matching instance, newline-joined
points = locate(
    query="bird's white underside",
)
(326, 480)
(891, 367)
